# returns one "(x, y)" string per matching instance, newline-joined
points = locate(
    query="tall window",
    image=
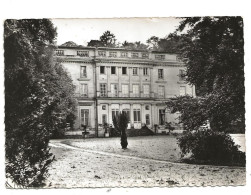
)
(182, 90)
(145, 71)
(160, 74)
(181, 75)
(104, 119)
(136, 115)
(161, 91)
(135, 71)
(83, 71)
(115, 112)
(124, 70)
(125, 90)
(135, 90)
(127, 111)
(161, 116)
(147, 119)
(146, 90)
(83, 90)
(114, 90)
(102, 70)
(103, 90)
(84, 115)
(113, 70)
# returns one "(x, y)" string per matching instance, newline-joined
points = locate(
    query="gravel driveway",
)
(89, 164)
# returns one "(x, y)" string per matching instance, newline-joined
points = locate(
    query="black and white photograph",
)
(124, 102)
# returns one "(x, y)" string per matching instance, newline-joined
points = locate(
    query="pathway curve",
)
(78, 167)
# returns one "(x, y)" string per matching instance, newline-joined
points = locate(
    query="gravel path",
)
(78, 167)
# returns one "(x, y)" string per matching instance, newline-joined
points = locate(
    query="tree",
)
(120, 123)
(213, 52)
(95, 43)
(108, 39)
(34, 101)
(136, 45)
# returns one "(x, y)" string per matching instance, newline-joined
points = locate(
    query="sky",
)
(81, 31)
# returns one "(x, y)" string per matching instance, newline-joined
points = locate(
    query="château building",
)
(113, 80)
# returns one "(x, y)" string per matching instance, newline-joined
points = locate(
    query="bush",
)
(212, 147)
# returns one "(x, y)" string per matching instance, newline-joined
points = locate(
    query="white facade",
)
(112, 80)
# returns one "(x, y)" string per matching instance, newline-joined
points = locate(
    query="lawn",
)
(152, 147)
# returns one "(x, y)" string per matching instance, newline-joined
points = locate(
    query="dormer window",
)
(135, 55)
(145, 55)
(102, 53)
(59, 52)
(113, 54)
(83, 53)
(124, 54)
(160, 57)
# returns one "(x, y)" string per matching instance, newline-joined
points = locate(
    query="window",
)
(113, 70)
(104, 119)
(84, 115)
(135, 55)
(103, 90)
(160, 73)
(146, 90)
(124, 54)
(159, 57)
(161, 116)
(161, 91)
(114, 90)
(145, 55)
(83, 53)
(135, 71)
(147, 119)
(181, 75)
(182, 90)
(135, 90)
(147, 107)
(125, 90)
(83, 90)
(145, 71)
(127, 111)
(124, 70)
(59, 52)
(136, 115)
(102, 70)
(115, 112)
(113, 54)
(83, 71)
(103, 107)
(102, 53)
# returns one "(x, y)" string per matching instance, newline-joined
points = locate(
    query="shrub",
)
(210, 146)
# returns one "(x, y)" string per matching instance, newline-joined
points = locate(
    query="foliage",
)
(213, 52)
(108, 39)
(95, 43)
(136, 45)
(36, 99)
(193, 111)
(210, 146)
(169, 44)
(120, 123)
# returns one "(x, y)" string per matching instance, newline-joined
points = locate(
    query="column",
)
(131, 114)
(151, 83)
